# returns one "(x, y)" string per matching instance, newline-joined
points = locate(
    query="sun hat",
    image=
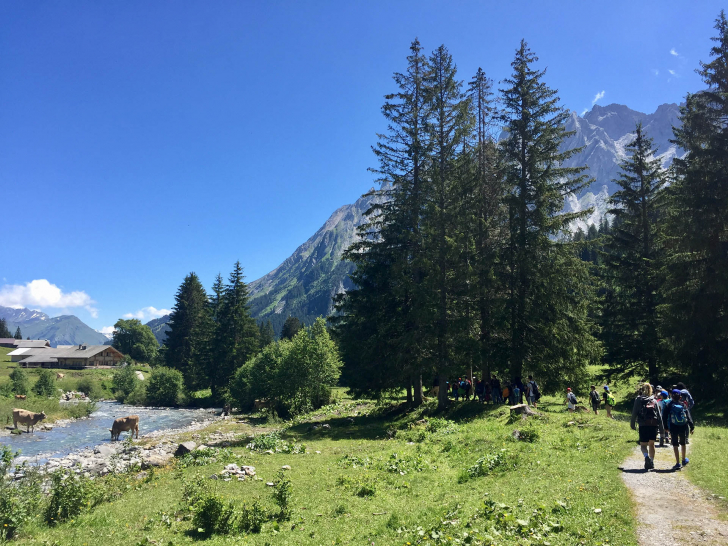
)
(568, 388)
(676, 391)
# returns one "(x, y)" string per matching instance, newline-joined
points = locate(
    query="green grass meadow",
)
(398, 476)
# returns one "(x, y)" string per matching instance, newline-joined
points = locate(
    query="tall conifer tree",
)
(18, 333)
(697, 296)
(549, 297)
(634, 258)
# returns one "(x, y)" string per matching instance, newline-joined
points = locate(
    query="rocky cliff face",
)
(303, 285)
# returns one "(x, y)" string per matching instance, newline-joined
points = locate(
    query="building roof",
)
(35, 343)
(24, 350)
(72, 351)
(7, 340)
(39, 358)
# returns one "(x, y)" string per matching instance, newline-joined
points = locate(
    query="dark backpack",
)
(595, 397)
(649, 413)
(572, 398)
(678, 414)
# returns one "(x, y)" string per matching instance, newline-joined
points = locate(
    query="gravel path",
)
(669, 507)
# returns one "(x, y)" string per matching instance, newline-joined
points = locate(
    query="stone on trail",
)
(156, 459)
(184, 448)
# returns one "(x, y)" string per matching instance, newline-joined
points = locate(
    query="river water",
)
(94, 430)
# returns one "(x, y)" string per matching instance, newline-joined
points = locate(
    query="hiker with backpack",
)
(516, 394)
(677, 416)
(609, 401)
(532, 392)
(594, 399)
(571, 400)
(664, 398)
(648, 415)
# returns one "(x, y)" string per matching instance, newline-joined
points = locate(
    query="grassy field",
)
(385, 475)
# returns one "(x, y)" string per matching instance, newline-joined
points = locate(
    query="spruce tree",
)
(380, 324)
(18, 333)
(4, 332)
(549, 293)
(634, 258)
(190, 328)
(236, 333)
(267, 334)
(291, 327)
(450, 125)
(697, 285)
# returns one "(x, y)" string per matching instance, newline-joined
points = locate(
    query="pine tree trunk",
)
(442, 395)
(409, 392)
(419, 395)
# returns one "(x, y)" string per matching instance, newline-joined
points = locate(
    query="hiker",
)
(664, 398)
(461, 388)
(609, 401)
(571, 400)
(532, 394)
(455, 387)
(647, 412)
(677, 417)
(468, 388)
(521, 389)
(479, 391)
(594, 399)
(506, 393)
(685, 396)
(495, 389)
(516, 394)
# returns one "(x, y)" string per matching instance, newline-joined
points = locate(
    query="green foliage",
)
(18, 333)
(282, 494)
(19, 380)
(487, 464)
(267, 334)
(212, 515)
(294, 376)
(4, 332)
(271, 441)
(19, 502)
(46, 384)
(135, 339)
(252, 517)
(164, 386)
(124, 383)
(69, 495)
(291, 328)
(90, 388)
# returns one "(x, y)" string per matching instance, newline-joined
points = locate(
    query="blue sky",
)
(140, 141)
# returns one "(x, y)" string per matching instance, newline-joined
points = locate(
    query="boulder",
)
(156, 459)
(184, 448)
(104, 450)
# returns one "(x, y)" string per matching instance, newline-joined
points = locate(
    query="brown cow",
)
(122, 424)
(20, 397)
(28, 418)
(60, 375)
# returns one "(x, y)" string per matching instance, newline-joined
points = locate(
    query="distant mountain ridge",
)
(63, 330)
(305, 282)
(160, 328)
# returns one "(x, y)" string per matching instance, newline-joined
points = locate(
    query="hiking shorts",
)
(679, 434)
(531, 400)
(647, 433)
(595, 406)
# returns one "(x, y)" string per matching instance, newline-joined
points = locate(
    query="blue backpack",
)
(678, 414)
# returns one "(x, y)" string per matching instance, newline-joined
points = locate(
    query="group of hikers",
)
(512, 392)
(594, 399)
(656, 410)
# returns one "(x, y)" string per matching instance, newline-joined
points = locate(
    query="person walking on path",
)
(571, 401)
(495, 388)
(686, 397)
(664, 398)
(609, 401)
(677, 416)
(594, 399)
(532, 394)
(646, 412)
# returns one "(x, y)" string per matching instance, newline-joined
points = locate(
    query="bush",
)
(19, 502)
(164, 387)
(124, 383)
(487, 464)
(46, 384)
(212, 515)
(282, 496)
(90, 388)
(138, 397)
(251, 518)
(70, 494)
(20, 382)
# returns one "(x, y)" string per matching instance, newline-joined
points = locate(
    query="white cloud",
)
(584, 111)
(107, 330)
(673, 52)
(655, 72)
(597, 97)
(148, 313)
(43, 294)
(672, 72)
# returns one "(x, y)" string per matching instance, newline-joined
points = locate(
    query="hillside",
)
(159, 328)
(304, 283)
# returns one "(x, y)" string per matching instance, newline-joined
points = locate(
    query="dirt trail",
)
(689, 517)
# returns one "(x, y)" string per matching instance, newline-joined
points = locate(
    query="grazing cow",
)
(60, 375)
(226, 409)
(28, 418)
(122, 424)
(261, 404)
(20, 397)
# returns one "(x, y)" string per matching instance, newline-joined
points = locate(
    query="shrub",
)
(137, 397)
(212, 515)
(252, 517)
(124, 383)
(20, 382)
(70, 494)
(46, 384)
(485, 465)
(19, 501)
(90, 388)
(282, 496)
(164, 386)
